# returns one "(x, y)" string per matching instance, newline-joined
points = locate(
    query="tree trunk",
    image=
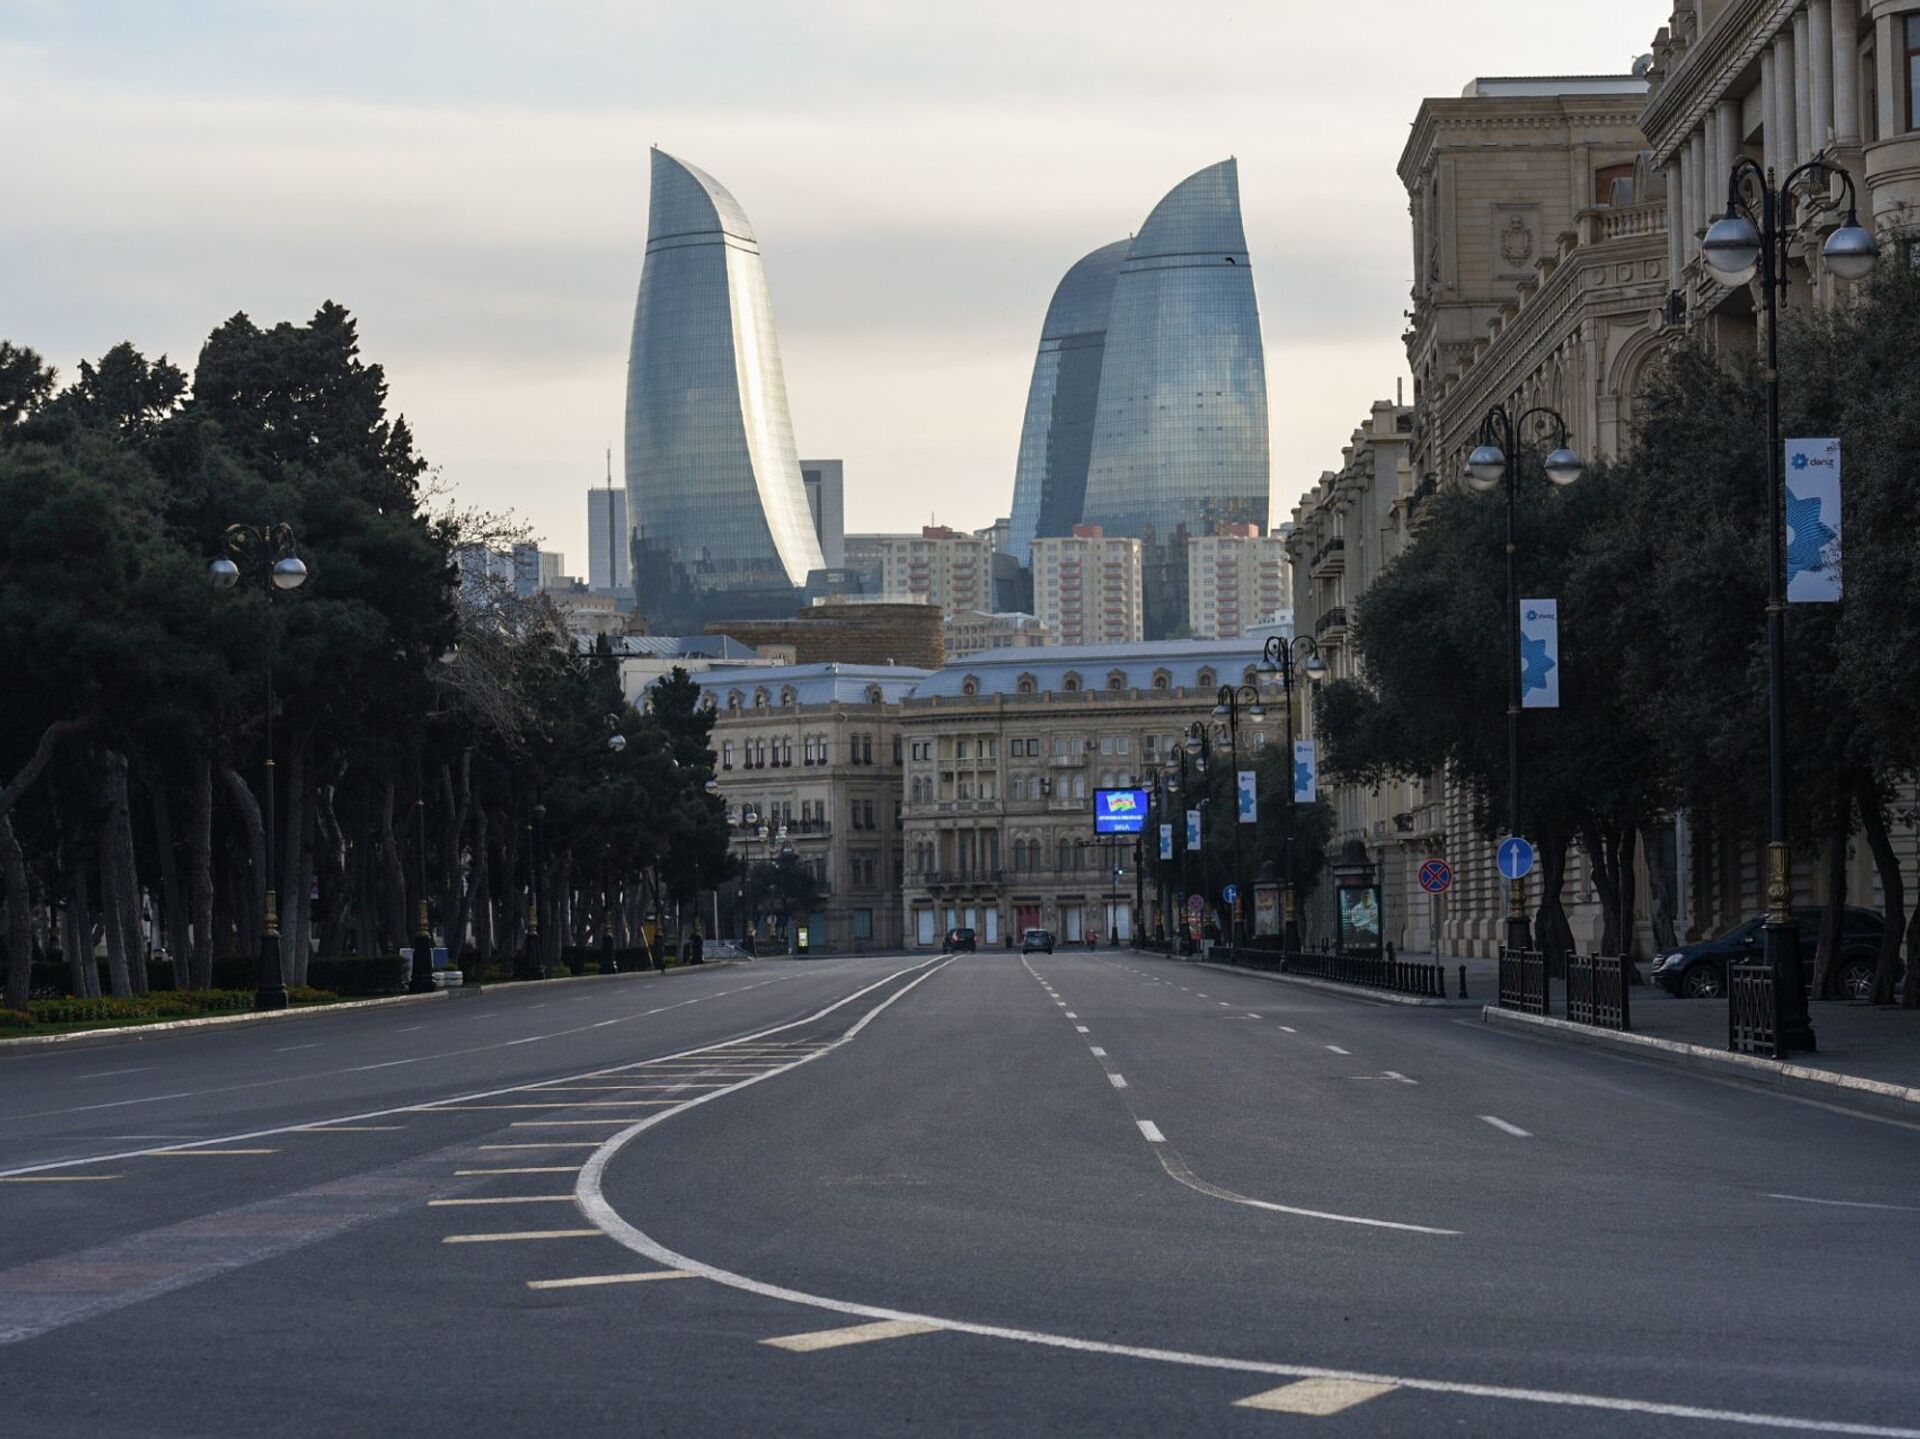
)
(395, 874)
(51, 736)
(295, 898)
(200, 847)
(1826, 963)
(1874, 821)
(127, 874)
(83, 972)
(480, 889)
(300, 887)
(13, 874)
(1552, 934)
(330, 861)
(249, 807)
(172, 897)
(1910, 988)
(114, 902)
(1663, 885)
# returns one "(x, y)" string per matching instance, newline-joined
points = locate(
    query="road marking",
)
(586, 1280)
(349, 1128)
(852, 1334)
(1847, 1203)
(1400, 1078)
(1196, 994)
(1151, 1131)
(513, 1235)
(563, 1104)
(289, 1048)
(1097, 1051)
(1336, 1049)
(1072, 1015)
(547, 1144)
(1288, 1029)
(1319, 1397)
(409, 1029)
(109, 1073)
(561, 1123)
(384, 1064)
(181, 1153)
(540, 1169)
(1117, 1081)
(1505, 1128)
(1223, 1004)
(1251, 1015)
(1082, 1029)
(59, 1178)
(502, 1199)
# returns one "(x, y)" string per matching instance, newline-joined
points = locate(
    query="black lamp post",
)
(1227, 706)
(536, 960)
(421, 981)
(1737, 251)
(1282, 658)
(1496, 458)
(269, 552)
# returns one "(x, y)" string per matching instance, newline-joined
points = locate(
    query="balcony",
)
(1332, 624)
(1330, 558)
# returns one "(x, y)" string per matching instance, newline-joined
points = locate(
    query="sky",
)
(470, 180)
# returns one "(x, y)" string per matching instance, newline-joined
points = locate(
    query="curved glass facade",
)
(1180, 431)
(1050, 480)
(721, 526)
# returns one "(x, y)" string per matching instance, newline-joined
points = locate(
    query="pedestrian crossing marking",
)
(1318, 1397)
(853, 1334)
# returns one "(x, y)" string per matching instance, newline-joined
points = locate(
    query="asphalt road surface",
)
(1071, 1194)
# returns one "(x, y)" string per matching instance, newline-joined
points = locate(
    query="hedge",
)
(182, 1004)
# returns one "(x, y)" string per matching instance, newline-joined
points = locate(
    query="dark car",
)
(1037, 941)
(959, 939)
(1699, 970)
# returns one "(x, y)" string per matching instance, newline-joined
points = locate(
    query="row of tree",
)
(433, 740)
(1658, 563)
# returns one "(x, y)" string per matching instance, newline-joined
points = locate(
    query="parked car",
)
(959, 939)
(1699, 970)
(1037, 941)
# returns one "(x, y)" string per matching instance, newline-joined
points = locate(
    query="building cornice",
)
(1709, 66)
(1539, 112)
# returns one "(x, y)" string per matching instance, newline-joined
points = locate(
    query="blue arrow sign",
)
(1230, 893)
(1515, 858)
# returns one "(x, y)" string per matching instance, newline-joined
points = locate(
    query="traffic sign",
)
(1436, 876)
(1515, 857)
(1231, 893)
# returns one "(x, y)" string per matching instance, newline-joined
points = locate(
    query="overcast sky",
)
(470, 179)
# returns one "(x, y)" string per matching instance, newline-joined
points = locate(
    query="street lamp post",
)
(1736, 251)
(1281, 657)
(268, 551)
(421, 979)
(1496, 458)
(1227, 705)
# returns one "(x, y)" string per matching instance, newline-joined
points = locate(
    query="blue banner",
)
(1539, 655)
(1249, 798)
(1166, 841)
(1813, 522)
(1306, 772)
(1193, 829)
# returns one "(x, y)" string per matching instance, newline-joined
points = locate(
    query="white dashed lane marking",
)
(1400, 1078)
(1118, 1082)
(1097, 1051)
(515, 1235)
(852, 1334)
(1505, 1128)
(1318, 1397)
(1336, 1049)
(586, 1280)
(1082, 1029)
(1151, 1131)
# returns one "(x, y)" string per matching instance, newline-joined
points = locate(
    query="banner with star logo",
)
(1813, 522)
(1539, 655)
(1306, 772)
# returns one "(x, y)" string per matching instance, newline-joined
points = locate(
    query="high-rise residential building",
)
(553, 568)
(1236, 579)
(1086, 586)
(720, 516)
(825, 481)
(1050, 477)
(939, 566)
(609, 561)
(998, 535)
(1147, 412)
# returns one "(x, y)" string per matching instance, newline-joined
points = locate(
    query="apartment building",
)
(1086, 587)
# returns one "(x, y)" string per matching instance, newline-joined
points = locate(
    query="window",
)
(1205, 679)
(1116, 680)
(896, 749)
(760, 699)
(734, 698)
(1910, 66)
(1106, 744)
(1603, 180)
(786, 694)
(1120, 745)
(1071, 684)
(969, 686)
(863, 924)
(874, 696)
(960, 749)
(1026, 685)
(866, 749)
(1162, 680)
(726, 755)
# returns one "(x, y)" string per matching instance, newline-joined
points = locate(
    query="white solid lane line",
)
(108, 1073)
(1505, 1128)
(1151, 1131)
(289, 1048)
(1847, 1203)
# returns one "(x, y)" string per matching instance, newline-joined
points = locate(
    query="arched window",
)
(1162, 679)
(1251, 677)
(874, 696)
(760, 698)
(1026, 685)
(1116, 679)
(734, 699)
(1071, 684)
(1206, 679)
(1064, 856)
(786, 694)
(970, 686)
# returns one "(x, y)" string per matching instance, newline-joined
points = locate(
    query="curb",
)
(1722, 1061)
(496, 986)
(160, 1029)
(1345, 991)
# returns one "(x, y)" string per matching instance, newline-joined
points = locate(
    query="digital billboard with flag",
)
(1119, 811)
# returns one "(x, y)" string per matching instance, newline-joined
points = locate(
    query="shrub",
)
(359, 974)
(15, 1019)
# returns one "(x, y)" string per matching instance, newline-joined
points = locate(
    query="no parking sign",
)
(1436, 876)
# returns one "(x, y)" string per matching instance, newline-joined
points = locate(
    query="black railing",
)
(1753, 1010)
(1523, 980)
(1598, 986)
(1367, 971)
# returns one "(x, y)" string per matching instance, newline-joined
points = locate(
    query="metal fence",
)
(1369, 972)
(1598, 986)
(1523, 980)
(1753, 1010)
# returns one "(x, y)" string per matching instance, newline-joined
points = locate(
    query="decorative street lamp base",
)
(1782, 948)
(422, 980)
(272, 993)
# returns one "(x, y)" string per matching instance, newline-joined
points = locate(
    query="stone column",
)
(1697, 190)
(1676, 224)
(1726, 120)
(1769, 122)
(1819, 51)
(1846, 70)
(1785, 147)
(1805, 140)
(1892, 91)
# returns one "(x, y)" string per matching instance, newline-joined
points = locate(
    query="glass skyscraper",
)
(721, 527)
(1050, 480)
(1177, 444)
